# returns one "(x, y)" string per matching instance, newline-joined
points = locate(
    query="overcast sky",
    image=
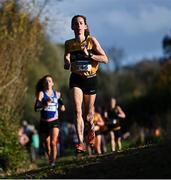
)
(136, 26)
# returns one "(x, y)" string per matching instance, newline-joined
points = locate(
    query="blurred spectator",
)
(29, 139)
(23, 138)
(25, 134)
(35, 144)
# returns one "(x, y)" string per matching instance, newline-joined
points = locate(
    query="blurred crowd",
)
(109, 134)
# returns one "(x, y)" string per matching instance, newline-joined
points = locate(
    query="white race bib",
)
(51, 107)
(114, 121)
(83, 65)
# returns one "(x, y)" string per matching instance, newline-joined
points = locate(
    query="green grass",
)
(151, 161)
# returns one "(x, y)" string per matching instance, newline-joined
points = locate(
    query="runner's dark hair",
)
(87, 32)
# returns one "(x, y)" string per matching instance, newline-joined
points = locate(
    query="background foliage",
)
(19, 46)
(26, 54)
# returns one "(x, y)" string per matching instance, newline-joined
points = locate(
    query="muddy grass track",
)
(153, 161)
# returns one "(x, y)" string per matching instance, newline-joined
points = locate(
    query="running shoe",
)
(91, 137)
(52, 165)
(80, 147)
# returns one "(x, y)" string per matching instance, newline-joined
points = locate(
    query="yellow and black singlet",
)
(80, 63)
(95, 121)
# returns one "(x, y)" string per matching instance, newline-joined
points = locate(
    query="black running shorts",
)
(46, 127)
(87, 84)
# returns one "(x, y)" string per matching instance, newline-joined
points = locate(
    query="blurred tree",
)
(166, 44)
(36, 8)
(163, 82)
(19, 45)
(116, 56)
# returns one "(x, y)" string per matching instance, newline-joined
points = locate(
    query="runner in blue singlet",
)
(47, 101)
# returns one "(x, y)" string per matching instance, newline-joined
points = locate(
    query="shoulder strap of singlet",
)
(44, 94)
(55, 93)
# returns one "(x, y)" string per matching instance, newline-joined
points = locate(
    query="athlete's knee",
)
(54, 142)
(78, 113)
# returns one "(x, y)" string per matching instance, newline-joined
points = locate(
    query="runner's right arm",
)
(39, 104)
(66, 57)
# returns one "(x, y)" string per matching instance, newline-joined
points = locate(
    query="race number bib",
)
(51, 107)
(83, 66)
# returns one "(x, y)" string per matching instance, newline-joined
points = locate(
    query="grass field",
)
(150, 161)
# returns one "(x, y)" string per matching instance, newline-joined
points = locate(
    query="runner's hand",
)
(84, 49)
(67, 64)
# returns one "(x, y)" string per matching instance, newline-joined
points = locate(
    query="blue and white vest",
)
(50, 112)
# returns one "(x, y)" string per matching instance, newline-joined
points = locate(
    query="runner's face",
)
(49, 83)
(79, 26)
(113, 103)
